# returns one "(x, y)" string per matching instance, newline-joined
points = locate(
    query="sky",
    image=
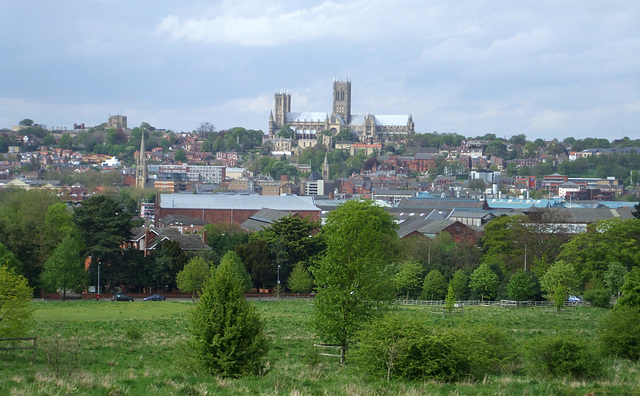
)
(545, 68)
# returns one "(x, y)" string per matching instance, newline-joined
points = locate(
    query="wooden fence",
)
(499, 303)
(19, 344)
(331, 347)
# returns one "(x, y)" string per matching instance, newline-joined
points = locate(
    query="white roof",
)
(392, 119)
(306, 116)
(239, 202)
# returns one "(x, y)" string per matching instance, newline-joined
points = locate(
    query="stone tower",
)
(325, 168)
(282, 106)
(342, 99)
(141, 166)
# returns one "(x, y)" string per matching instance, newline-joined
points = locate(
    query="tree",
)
(630, 290)
(180, 156)
(103, 225)
(291, 240)
(408, 277)
(193, 275)
(477, 184)
(66, 141)
(300, 280)
(286, 132)
(434, 286)
(7, 258)
(521, 286)
(232, 259)
(169, 259)
(353, 277)
(605, 242)
(484, 281)
(344, 135)
(64, 270)
(614, 277)
(15, 303)
(459, 281)
(228, 334)
(636, 211)
(559, 281)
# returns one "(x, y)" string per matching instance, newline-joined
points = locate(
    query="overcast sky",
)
(547, 69)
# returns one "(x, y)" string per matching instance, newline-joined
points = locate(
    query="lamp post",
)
(278, 287)
(98, 288)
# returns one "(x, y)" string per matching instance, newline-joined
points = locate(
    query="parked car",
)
(155, 297)
(121, 297)
(573, 298)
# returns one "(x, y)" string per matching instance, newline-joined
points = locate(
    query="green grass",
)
(136, 349)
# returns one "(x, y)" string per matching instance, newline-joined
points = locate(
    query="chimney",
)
(204, 235)
(331, 196)
(147, 238)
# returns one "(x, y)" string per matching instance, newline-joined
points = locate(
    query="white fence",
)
(499, 303)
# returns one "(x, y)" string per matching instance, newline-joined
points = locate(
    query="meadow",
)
(137, 348)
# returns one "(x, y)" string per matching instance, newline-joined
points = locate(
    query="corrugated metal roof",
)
(237, 202)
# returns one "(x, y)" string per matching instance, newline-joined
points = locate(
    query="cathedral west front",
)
(309, 126)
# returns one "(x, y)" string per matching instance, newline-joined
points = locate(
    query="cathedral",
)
(367, 128)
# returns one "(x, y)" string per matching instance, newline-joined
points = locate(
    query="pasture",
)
(137, 348)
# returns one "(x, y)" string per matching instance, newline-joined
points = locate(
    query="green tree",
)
(232, 259)
(559, 281)
(103, 225)
(291, 240)
(300, 280)
(15, 303)
(228, 333)
(64, 270)
(630, 290)
(7, 258)
(484, 281)
(434, 286)
(193, 275)
(286, 132)
(353, 277)
(460, 282)
(258, 261)
(180, 156)
(605, 242)
(614, 278)
(66, 141)
(344, 135)
(169, 259)
(408, 277)
(521, 286)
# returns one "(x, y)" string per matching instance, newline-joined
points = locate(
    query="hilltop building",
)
(308, 126)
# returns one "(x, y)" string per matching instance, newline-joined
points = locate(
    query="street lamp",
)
(525, 254)
(98, 288)
(278, 287)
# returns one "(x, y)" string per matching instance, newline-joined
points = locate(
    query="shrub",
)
(600, 298)
(564, 356)
(489, 350)
(395, 346)
(620, 333)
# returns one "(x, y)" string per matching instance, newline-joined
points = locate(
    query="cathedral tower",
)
(282, 106)
(141, 166)
(342, 99)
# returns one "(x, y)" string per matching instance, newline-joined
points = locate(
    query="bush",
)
(564, 356)
(620, 333)
(395, 346)
(489, 350)
(600, 298)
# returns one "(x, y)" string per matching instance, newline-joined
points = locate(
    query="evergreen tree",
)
(228, 334)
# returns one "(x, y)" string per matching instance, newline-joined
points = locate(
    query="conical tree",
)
(228, 334)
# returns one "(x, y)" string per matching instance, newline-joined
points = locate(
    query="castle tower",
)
(141, 166)
(342, 99)
(325, 168)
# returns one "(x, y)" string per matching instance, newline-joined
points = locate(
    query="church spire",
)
(141, 165)
(325, 167)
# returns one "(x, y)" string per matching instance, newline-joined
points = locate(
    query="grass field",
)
(137, 349)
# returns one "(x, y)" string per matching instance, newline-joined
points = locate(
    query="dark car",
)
(155, 297)
(121, 297)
